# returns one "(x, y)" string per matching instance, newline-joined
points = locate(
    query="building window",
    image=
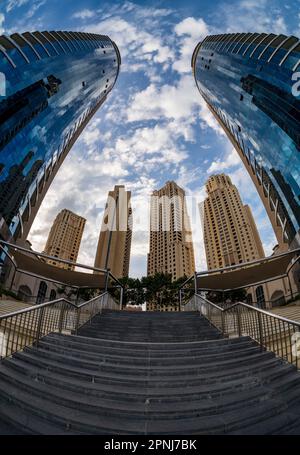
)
(52, 294)
(41, 292)
(260, 297)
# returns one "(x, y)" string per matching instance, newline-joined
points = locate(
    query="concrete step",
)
(94, 373)
(150, 327)
(188, 369)
(134, 350)
(260, 371)
(201, 405)
(146, 337)
(67, 420)
(219, 424)
(218, 344)
(150, 359)
(137, 409)
(136, 392)
(69, 384)
(18, 421)
(95, 423)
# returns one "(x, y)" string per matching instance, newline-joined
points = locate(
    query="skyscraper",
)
(171, 246)
(114, 245)
(248, 82)
(64, 238)
(230, 233)
(55, 83)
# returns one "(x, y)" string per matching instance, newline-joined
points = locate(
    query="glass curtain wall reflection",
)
(54, 84)
(248, 81)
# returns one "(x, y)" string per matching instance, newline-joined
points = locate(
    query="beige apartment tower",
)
(230, 232)
(64, 238)
(114, 244)
(171, 245)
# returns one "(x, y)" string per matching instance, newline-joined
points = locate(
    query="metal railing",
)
(272, 332)
(26, 327)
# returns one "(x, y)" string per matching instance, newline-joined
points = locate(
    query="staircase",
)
(148, 373)
(147, 327)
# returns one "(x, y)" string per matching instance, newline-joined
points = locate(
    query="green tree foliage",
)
(159, 288)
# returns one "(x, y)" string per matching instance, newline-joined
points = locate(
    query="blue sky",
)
(154, 126)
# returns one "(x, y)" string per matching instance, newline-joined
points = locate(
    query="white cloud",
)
(152, 13)
(2, 19)
(251, 15)
(188, 176)
(91, 134)
(11, 4)
(190, 31)
(280, 25)
(28, 20)
(191, 26)
(231, 160)
(243, 182)
(34, 9)
(145, 148)
(84, 14)
(135, 43)
(178, 101)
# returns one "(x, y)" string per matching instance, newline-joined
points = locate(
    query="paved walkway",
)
(8, 306)
(290, 312)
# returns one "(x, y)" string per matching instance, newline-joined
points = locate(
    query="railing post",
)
(223, 322)
(77, 296)
(106, 279)
(195, 283)
(40, 323)
(121, 297)
(290, 285)
(239, 322)
(61, 318)
(77, 320)
(260, 330)
(180, 299)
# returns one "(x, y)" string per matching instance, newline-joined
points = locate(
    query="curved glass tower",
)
(249, 83)
(52, 84)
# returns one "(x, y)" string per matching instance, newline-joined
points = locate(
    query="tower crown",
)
(218, 181)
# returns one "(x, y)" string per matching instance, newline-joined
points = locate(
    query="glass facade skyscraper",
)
(54, 83)
(249, 83)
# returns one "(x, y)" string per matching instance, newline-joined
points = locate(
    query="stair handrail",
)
(209, 302)
(27, 326)
(61, 299)
(36, 306)
(260, 310)
(271, 331)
